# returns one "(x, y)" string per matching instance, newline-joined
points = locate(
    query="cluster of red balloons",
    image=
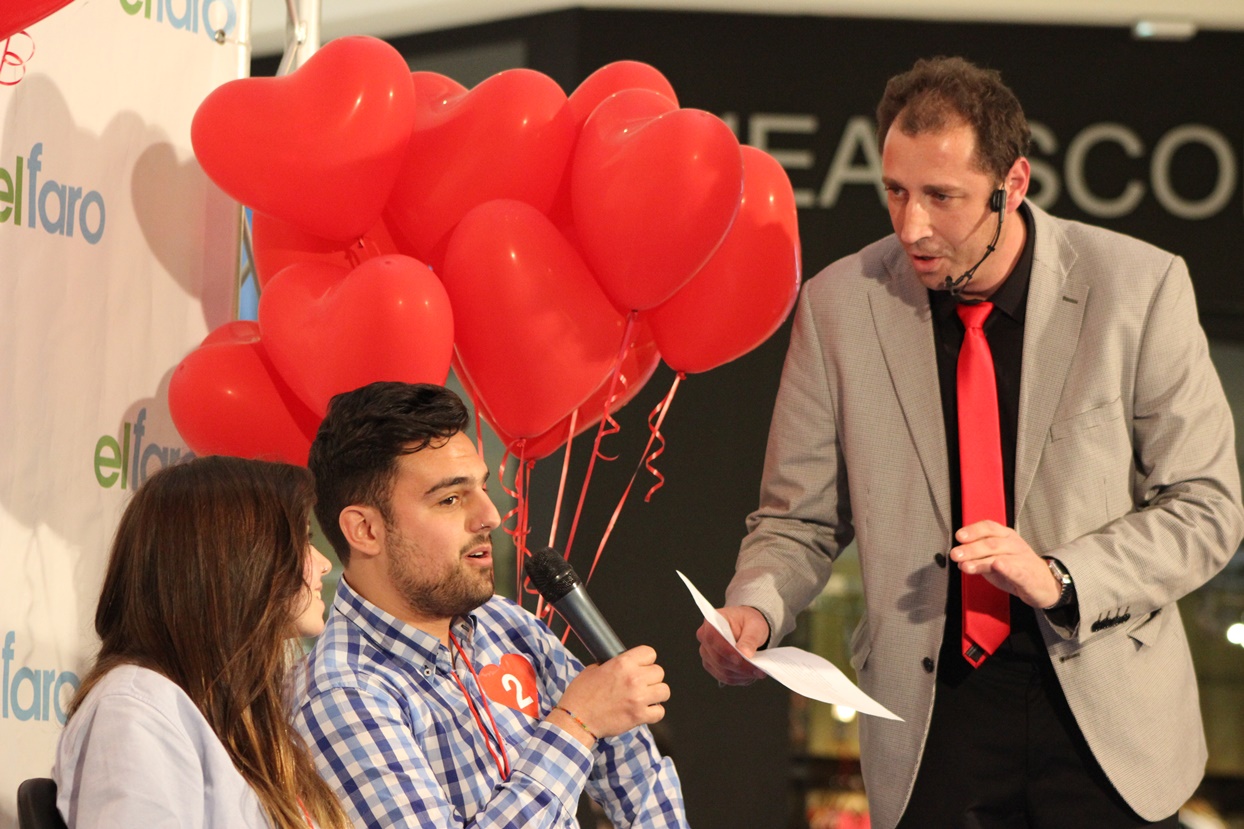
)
(555, 248)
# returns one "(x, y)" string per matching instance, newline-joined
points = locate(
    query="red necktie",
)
(986, 609)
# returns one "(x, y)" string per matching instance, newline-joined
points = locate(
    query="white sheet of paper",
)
(804, 673)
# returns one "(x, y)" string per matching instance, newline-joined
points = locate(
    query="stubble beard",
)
(455, 593)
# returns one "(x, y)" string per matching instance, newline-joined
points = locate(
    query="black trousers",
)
(1004, 752)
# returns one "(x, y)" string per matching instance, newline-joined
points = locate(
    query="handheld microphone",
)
(997, 202)
(558, 583)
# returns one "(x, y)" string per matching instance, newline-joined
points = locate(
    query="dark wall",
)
(824, 75)
(1071, 79)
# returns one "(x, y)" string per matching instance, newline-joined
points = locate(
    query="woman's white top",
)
(138, 753)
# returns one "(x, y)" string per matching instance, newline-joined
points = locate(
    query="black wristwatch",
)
(1068, 592)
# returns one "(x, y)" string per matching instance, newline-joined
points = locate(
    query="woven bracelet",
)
(581, 723)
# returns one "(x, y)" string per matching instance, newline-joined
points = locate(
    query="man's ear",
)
(363, 528)
(1016, 183)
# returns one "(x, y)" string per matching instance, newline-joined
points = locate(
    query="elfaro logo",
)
(127, 460)
(207, 16)
(33, 693)
(59, 209)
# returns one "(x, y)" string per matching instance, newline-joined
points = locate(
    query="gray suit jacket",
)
(1125, 471)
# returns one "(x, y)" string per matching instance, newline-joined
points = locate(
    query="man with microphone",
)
(1016, 419)
(429, 701)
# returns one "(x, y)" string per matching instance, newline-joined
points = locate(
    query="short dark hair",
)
(354, 455)
(936, 93)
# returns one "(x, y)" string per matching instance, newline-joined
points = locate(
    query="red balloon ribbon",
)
(659, 413)
(561, 486)
(601, 430)
(16, 50)
(519, 512)
(645, 460)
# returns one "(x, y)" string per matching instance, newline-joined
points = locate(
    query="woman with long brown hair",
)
(182, 720)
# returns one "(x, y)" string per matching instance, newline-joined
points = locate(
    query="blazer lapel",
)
(1055, 310)
(904, 328)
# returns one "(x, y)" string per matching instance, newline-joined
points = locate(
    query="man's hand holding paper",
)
(734, 661)
(726, 650)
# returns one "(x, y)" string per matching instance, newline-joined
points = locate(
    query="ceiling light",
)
(1235, 634)
(1163, 30)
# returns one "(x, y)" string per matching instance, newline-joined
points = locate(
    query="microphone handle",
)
(577, 608)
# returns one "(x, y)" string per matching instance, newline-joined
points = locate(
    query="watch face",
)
(1064, 580)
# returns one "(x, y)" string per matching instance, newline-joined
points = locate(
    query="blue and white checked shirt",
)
(393, 734)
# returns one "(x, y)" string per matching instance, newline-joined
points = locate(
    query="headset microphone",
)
(997, 203)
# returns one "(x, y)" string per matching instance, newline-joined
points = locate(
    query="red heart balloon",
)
(331, 330)
(318, 148)
(508, 138)
(277, 245)
(638, 365)
(513, 684)
(612, 78)
(596, 87)
(748, 288)
(535, 334)
(433, 91)
(653, 193)
(16, 15)
(226, 398)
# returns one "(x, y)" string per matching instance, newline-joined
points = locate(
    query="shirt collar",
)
(390, 633)
(1013, 292)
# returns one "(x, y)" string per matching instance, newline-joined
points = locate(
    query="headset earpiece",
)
(997, 203)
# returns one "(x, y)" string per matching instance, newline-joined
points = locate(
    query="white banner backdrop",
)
(117, 256)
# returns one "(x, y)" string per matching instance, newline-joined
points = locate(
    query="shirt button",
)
(940, 558)
(928, 664)
(427, 671)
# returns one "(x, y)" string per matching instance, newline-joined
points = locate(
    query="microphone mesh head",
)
(551, 574)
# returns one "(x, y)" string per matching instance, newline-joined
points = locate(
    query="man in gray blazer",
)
(1121, 487)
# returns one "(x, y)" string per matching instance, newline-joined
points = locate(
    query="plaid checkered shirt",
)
(393, 733)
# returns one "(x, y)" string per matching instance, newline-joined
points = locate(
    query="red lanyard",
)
(503, 762)
(305, 814)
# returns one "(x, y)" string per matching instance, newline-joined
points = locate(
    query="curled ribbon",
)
(603, 429)
(659, 414)
(645, 460)
(10, 57)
